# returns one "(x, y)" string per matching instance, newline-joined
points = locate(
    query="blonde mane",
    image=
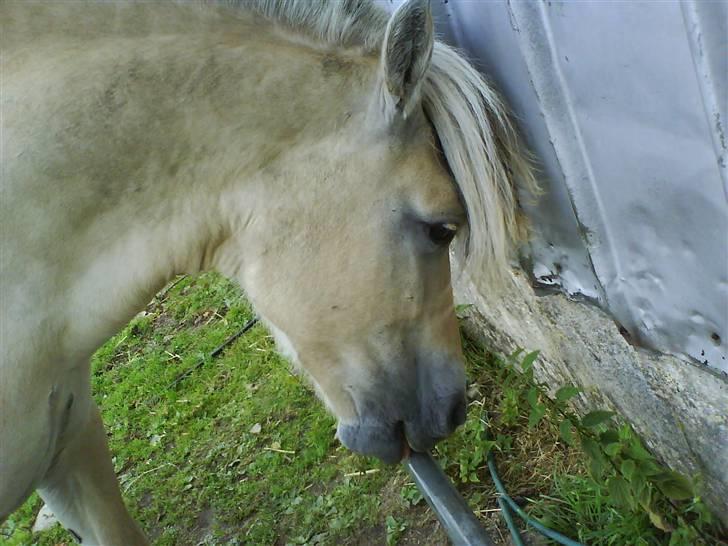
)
(481, 146)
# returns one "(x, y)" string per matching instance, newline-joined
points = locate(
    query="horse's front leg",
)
(82, 490)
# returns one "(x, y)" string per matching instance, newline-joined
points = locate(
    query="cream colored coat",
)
(141, 141)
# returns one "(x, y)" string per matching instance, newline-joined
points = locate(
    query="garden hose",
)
(553, 535)
(506, 513)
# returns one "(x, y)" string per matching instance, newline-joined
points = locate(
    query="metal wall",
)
(624, 105)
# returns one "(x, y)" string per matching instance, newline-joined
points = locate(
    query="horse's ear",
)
(406, 55)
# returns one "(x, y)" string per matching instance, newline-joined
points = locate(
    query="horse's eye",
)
(441, 234)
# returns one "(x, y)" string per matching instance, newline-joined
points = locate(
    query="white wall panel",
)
(624, 105)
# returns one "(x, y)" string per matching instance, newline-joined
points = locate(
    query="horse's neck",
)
(172, 146)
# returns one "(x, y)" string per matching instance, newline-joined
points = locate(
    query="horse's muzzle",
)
(390, 441)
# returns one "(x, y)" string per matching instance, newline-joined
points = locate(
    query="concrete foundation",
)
(680, 409)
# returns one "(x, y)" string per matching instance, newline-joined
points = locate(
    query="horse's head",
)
(363, 300)
(351, 268)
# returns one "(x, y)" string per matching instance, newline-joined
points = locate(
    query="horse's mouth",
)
(406, 450)
(390, 443)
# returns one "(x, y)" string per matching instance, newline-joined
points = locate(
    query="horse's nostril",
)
(458, 413)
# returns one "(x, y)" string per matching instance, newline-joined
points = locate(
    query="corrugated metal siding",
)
(624, 105)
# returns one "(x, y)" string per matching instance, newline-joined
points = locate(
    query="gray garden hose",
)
(456, 517)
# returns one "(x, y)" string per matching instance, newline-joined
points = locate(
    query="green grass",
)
(241, 452)
(607, 491)
(583, 505)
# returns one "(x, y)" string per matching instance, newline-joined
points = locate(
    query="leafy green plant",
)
(623, 475)
(395, 529)
(411, 495)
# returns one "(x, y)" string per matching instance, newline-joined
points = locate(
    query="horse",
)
(328, 156)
